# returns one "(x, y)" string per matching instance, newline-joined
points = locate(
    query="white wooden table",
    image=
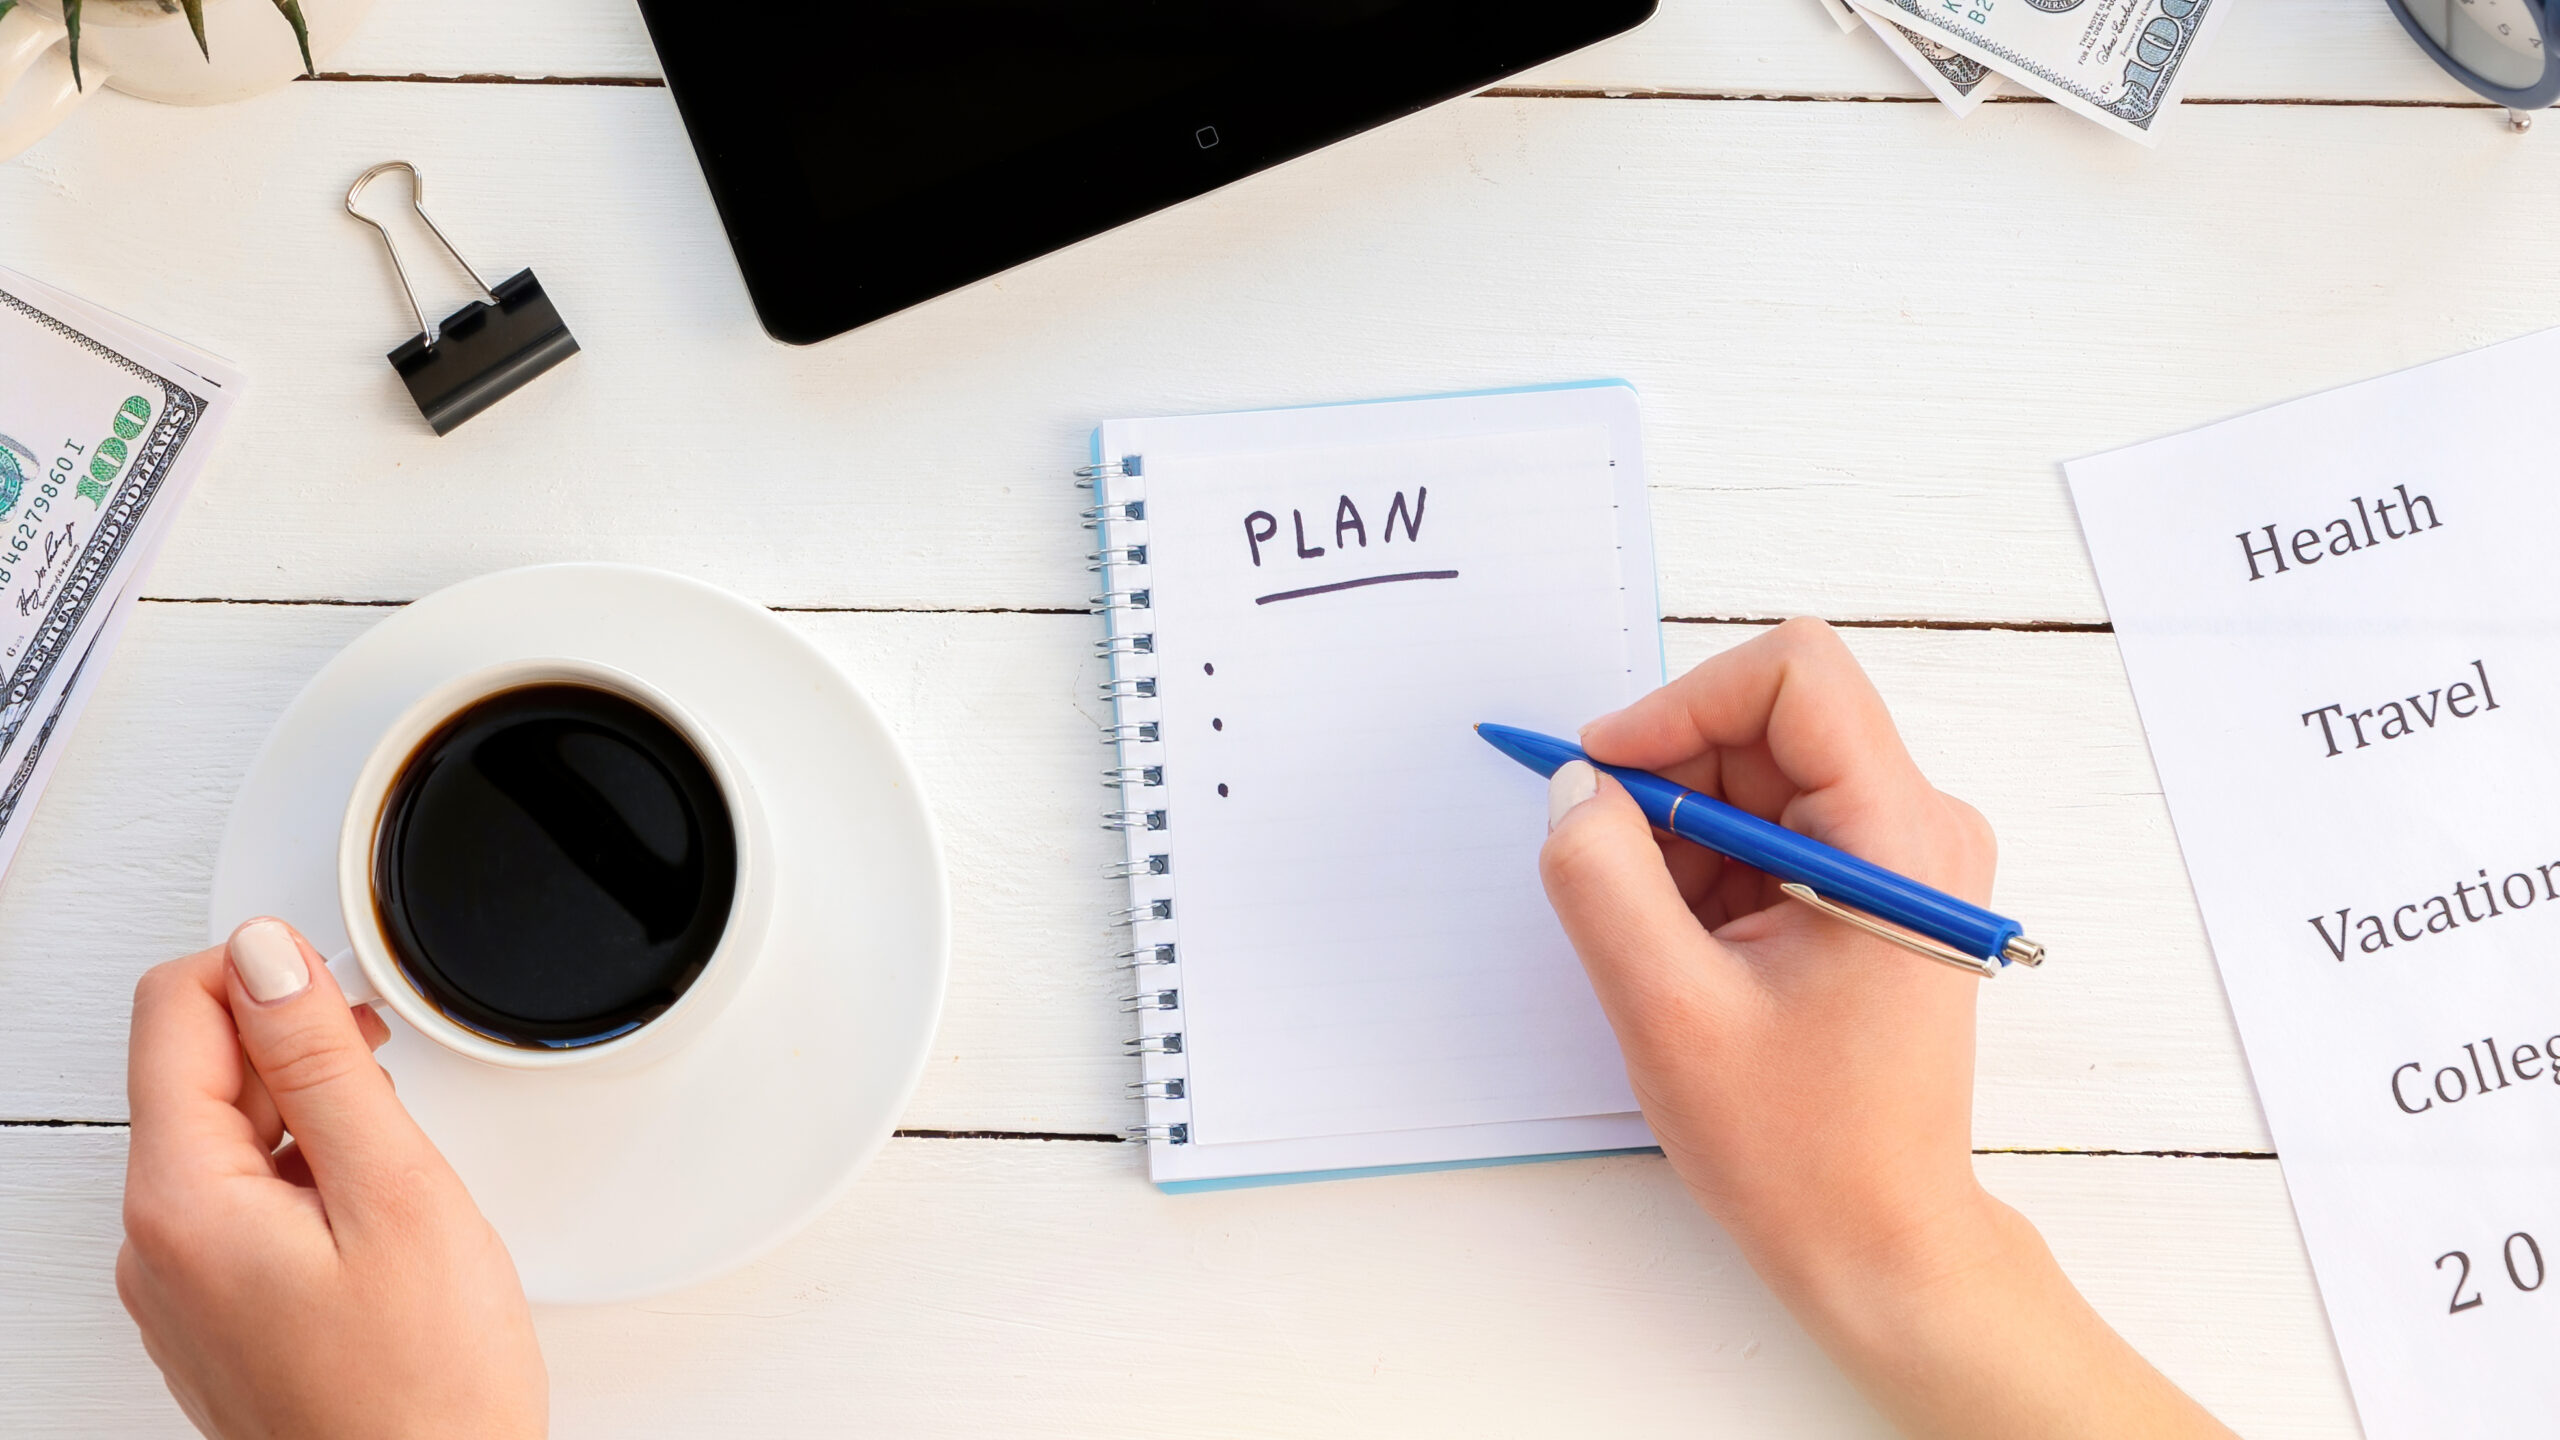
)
(1865, 333)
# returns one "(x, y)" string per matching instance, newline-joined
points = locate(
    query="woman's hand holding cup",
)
(339, 1283)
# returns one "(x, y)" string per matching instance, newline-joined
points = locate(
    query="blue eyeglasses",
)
(2497, 47)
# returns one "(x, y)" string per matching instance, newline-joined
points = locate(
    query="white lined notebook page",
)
(1365, 945)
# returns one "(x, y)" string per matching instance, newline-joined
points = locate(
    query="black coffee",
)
(554, 866)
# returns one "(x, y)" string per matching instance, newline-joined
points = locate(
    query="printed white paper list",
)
(2341, 618)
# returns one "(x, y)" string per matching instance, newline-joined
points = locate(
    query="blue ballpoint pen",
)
(1870, 897)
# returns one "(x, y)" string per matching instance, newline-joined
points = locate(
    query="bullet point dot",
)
(1217, 724)
(1222, 790)
(1208, 669)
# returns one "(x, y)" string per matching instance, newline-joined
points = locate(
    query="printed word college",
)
(2451, 1085)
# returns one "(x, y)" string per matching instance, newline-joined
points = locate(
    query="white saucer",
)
(613, 1187)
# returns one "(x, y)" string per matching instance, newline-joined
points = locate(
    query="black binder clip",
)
(483, 352)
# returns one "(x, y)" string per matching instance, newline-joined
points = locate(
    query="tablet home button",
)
(1207, 136)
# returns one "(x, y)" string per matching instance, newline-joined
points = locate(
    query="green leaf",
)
(292, 12)
(6, 6)
(71, 23)
(195, 22)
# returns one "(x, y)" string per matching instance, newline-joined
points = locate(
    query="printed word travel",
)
(2342, 729)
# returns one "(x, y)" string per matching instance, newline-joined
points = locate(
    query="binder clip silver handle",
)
(417, 202)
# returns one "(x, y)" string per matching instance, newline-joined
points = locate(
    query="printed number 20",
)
(2515, 1272)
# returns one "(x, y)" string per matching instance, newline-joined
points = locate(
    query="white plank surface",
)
(968, 1288)
(1865, 334)
(2121, 1043)
(1860, 364)
(2267, 49)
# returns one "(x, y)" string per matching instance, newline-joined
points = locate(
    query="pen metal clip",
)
(1916, 944)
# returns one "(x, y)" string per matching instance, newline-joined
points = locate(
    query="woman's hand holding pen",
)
(1812, 1084)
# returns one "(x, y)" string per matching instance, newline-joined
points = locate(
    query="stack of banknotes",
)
(103, 426)
(2121, 63)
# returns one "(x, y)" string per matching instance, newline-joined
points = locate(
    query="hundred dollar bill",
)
(103, 427)
(1958, 80)
(2121, 63)
(34, 762)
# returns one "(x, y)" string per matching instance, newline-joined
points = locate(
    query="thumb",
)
(302, 1039)
(1656, 970)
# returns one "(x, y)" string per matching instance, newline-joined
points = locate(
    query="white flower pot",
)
(145, 48)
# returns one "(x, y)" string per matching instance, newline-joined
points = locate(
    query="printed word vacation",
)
(2470, 903)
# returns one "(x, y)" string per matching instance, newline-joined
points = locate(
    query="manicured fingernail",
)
(1573, 783)
(268, 961)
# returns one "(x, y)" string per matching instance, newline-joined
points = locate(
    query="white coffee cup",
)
(370, 973)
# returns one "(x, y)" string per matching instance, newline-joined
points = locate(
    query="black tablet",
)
(869, 154)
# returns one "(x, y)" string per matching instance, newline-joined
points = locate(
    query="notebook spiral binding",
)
(1148, 956)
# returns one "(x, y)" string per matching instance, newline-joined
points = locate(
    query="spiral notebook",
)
(1343, 958)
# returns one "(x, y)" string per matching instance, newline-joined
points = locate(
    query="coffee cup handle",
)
(357, 986)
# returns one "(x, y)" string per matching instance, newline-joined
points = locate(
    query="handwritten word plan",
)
(2342, 625)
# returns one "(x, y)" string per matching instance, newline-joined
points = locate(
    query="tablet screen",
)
(866, 156)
